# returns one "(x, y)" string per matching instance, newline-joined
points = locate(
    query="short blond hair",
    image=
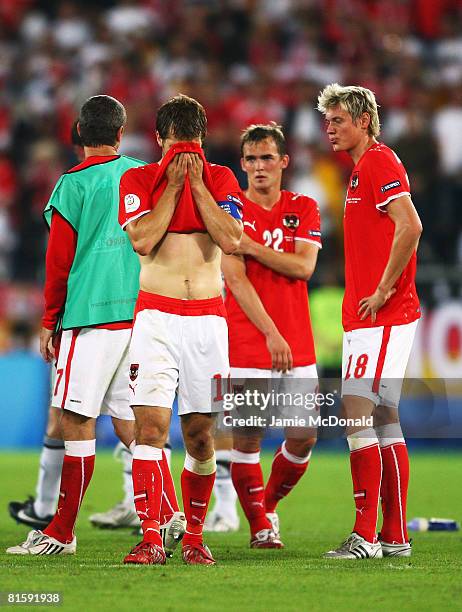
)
(355, 100)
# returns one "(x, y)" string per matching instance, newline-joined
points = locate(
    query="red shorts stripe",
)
(75, 333)
(188, 308)
(381, 359)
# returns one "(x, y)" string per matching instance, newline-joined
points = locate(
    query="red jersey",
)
(140, 191)
(378, 178)
(294, 217)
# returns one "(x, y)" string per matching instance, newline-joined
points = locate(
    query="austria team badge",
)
(354, 181)
(291, 221)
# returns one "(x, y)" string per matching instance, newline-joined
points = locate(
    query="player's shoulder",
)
(380, 154)
(295, 200)
(142, 175)
(220, 172)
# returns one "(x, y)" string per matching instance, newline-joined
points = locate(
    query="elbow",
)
(305, 272)
(414, 231)
(142, 247)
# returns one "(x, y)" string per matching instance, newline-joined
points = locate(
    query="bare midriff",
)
(183, 266)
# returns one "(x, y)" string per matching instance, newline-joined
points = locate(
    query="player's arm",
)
(146, 231)
(60, 255)
(234, 271)
(300, 264)
(406, 238)
(224, 230)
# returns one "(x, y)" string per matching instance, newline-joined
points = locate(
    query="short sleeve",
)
(134, 195)
(388, 178)
(224, 183)
(67, 199)
(309, 227)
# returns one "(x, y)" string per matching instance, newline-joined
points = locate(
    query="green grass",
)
(316, 516)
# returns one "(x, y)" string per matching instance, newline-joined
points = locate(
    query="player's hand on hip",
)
(195, 168)
(372, 304)
(46, 344)
(176, 170)
(281, 355)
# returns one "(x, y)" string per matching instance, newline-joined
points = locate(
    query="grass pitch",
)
(315, 517)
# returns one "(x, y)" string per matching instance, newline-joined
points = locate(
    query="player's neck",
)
(102, 151)
(264, 198)
(358, 151)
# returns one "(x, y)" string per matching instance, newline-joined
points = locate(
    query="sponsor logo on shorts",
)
(391, 185)
(291, 221)
(134, 367)
(132, 202)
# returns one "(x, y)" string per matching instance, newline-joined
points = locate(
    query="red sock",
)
(75, 478)
(147, 489)
(395, 480)
(284, 476)
(366, 471)
(248, 481)
(169, 503)
(196, 490)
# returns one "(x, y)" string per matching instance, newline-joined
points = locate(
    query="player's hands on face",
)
(281, 355)
(46, 344)
(195, 168)
(176, 170)
(370, 305)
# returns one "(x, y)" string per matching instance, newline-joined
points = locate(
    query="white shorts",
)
(180, 351)
(284, 381)
(291, 392)
(92, 373)
(374, 362)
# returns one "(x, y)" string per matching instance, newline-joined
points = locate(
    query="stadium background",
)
(247, 61)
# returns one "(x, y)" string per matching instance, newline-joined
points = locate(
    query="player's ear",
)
(243, 165)
(285, 161)
(158, 139)
(365, 120)
(78, 128)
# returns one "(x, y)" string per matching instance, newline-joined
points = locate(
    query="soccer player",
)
(90, 291)
(380, 314)
(180, 214)
(270, 332)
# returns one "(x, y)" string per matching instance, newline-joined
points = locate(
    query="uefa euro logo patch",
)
(132, 202)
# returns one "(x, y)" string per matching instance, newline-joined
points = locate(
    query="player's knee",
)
(300, 447)
(151, 434)
(199, 444)
(247, 444)
(77, 426)
(54, 429)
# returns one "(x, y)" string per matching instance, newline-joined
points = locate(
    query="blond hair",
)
(355, 100)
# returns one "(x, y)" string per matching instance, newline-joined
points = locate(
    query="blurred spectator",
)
(247, 62)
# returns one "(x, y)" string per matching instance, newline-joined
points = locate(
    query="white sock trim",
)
(293, 458)
(223, 455)
(362, 439)
(147, 453)
(203, 468)
(241, 457)
(80, 448)
(389, 434)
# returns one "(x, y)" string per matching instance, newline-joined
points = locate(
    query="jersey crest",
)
(354, 181)
(291, 221)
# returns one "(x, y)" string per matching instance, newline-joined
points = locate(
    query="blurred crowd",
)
(247, 61)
